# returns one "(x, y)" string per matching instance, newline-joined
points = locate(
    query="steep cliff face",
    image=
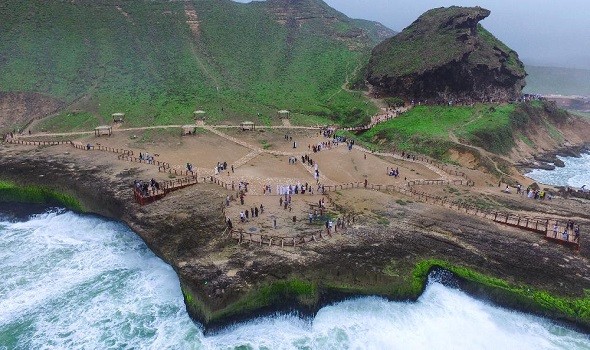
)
(446, 55)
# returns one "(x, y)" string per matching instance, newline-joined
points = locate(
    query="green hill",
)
(159, 60)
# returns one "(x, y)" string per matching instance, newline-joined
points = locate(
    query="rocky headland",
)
(447, 56)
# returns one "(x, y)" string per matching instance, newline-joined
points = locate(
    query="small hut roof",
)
(199, 112)
(103, 127)
(247, 122)
(118, 114)
(284, 111)
(189, 126)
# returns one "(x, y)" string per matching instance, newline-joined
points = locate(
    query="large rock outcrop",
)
(446, 55)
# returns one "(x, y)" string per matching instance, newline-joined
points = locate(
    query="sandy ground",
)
(262, 158)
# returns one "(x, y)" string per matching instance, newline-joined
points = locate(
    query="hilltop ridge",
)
(158, 60)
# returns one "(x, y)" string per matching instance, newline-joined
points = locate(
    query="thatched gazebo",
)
(199, 115)
(103, 130)
(284, 114)
(189, 129)
(248, 125)
(118, 117)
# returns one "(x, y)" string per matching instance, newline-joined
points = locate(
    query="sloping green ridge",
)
(142, 58)
(495, 128)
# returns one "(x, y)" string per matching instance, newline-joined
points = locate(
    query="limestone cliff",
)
(446, 55)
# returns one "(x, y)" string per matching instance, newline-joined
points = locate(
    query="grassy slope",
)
(149, 65)
(427, 129)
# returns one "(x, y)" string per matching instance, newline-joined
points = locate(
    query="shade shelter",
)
(199, 115)
(103, 130)
(118, 117)
(248, 125)
(284, 114)
(189, 129)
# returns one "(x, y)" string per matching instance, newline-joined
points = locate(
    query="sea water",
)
(70, 281)
(576, 173)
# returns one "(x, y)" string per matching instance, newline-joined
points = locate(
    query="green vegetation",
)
(524, 297)
(10, 192)
(141, 58)
(430, 129)
(65, 122)
(394, 102)
(272, 294)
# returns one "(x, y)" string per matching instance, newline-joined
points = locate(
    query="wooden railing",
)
(271, 240)
(37, 143)
(89, 147)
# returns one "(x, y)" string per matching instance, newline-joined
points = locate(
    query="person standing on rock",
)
(242, 217)
(230, 226)
(247, 213)
(555, 228)
(577, 234)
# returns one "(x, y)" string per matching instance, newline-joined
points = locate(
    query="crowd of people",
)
(145, 187)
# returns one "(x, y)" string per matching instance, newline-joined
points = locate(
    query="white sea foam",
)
(80, 282)
(576, 173)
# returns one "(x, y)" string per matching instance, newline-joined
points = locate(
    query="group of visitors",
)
(145, 187)
(293, 189)
(247, 215)
(529, 192)
(147, 157)
(408, 156)
(393, 172)
(221, 166)
(570, 229)
(322, 145)
(305, 159)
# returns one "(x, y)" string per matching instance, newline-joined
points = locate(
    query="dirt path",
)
(481, 151)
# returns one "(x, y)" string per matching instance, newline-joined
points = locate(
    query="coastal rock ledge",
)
(447, 56)
(224, 282)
